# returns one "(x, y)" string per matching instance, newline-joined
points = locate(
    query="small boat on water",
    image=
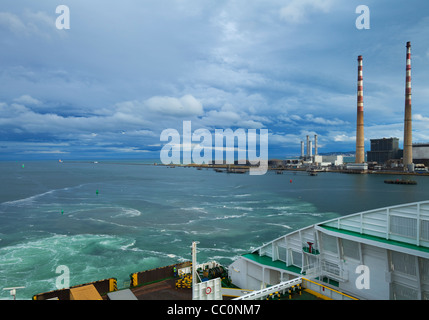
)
(402, 181)
(236, 171)
(312, 172)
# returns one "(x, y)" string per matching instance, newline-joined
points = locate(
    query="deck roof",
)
(423, 249)
(407, 224)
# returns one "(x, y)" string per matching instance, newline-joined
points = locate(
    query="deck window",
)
(401, 292)
(350, 249)
(282, 253)
(403, 263)
(329, 243)
(297, 258)
(424, 270)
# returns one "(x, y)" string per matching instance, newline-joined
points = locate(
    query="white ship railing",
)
(265, 292)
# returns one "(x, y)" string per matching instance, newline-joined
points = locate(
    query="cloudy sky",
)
(127, 70)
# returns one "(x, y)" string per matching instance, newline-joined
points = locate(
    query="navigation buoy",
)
(23, 166)
(290, 181)
(96, 192)
(62, 211)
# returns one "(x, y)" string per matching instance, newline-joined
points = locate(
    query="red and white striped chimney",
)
(360, 148)
(408, 138)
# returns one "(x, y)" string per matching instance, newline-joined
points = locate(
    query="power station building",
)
(421, 153)
(383, 150)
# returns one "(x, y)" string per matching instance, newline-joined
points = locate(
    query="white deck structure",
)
(377, 254)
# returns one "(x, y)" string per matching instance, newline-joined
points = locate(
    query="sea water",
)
(114, 218)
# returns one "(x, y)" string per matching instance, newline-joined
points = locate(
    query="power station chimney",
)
(408, 139)
(311, 150)
(360, 148)
(315, 144)
(308, 146)
(302, 149)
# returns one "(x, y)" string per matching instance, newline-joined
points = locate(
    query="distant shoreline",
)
(233, 167)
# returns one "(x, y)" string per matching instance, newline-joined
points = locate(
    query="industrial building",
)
(309, 159)
(383, 150)
(421, 153)
(332, 160)
(308, 155)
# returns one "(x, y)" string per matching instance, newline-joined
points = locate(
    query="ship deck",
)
(162, 290)
(166, 290)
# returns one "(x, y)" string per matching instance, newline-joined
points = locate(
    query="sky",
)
(125, 71)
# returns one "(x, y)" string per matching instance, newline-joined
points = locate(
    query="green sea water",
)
(113, 218)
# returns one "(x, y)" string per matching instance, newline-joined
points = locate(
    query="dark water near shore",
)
(146, 216)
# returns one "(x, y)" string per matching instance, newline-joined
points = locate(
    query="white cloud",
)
(250, 124)
(140, 133)
(184, 106)
(224, 64)
(229, 28)
(29, 23)
(45, 152)
(342, 137)
(224, 118)
(419, 117)
(27, 100)
(298, 10)
(187, 105)
(320, 120)
(293, 118)
(12, 22)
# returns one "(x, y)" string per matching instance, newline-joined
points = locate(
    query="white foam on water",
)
(31, 199)
(214, 196)
(127, 212)
(129, 245)
(231, 217)
(27, 201)
(229, 206)
(198, 209)
(242, 208)
(280, 225)
(242, 195)
(234, 250)
(280, 214)
(281, 208)
(33, 263)
(109, 222)
(313, 214)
